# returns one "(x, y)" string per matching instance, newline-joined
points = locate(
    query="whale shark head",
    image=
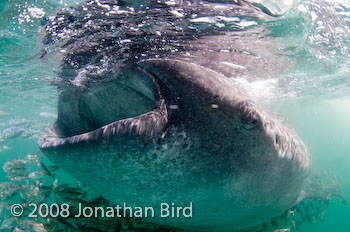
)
(169, 129)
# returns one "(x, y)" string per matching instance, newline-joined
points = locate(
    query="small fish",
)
(73, 189)
(61, 186)
(323, 213)
(16, 176)
(18, 229)
(3, 206)
(293, 223)
(76, 201)
(32, 226)
(100, 201)
(69, 193)
(45, 169)
(63, 221)
(291, 212)
(34, 157)
(16, 170)
(12, 133)
(25, 202)
(282, 230)
(36, 174)
(54, 184)
(53, 168)
(8, 223)
(15, 165)
(9, 189)
(39, 190)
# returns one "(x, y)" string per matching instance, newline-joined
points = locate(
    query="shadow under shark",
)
(150, 114)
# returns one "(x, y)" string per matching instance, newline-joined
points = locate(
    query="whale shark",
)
(149, 111)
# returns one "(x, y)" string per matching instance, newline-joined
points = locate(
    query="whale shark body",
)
(149, 112)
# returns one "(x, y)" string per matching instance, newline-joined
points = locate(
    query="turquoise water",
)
(324, 125)
(314, 93)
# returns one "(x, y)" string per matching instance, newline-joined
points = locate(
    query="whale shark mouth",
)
(135, 103)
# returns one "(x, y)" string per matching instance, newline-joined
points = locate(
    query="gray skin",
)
(169, 129)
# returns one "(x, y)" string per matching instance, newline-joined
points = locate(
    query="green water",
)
(324, 125)
(314, 96)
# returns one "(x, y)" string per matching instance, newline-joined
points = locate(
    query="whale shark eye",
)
(249, 124)
(248, 115)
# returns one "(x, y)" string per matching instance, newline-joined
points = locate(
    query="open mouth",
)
(133, 103)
